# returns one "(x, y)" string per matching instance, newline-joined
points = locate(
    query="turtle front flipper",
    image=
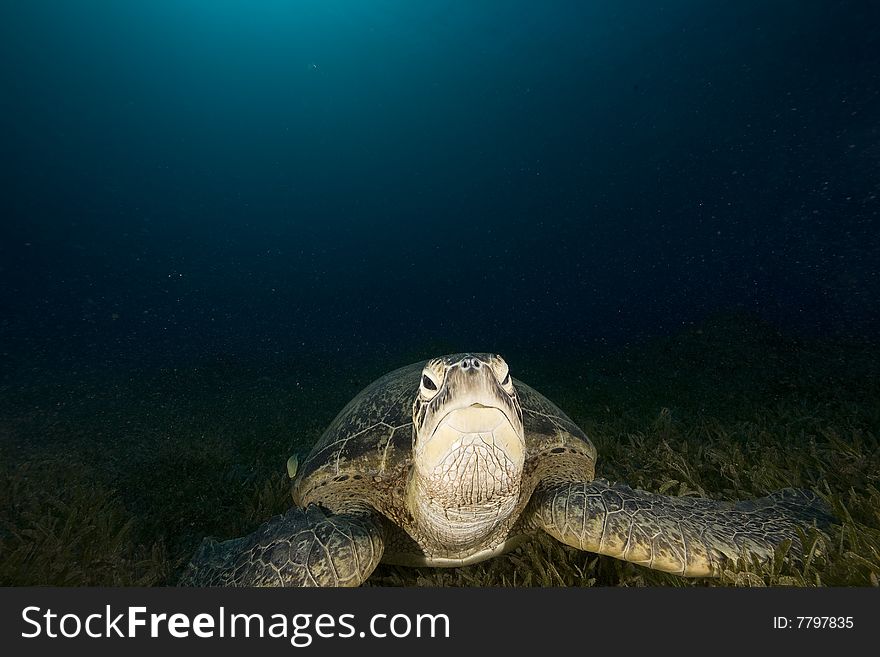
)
(683, 535)
(310, 547)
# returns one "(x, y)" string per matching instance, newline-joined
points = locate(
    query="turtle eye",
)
(507, 382)
(428, 388)
(502, 371)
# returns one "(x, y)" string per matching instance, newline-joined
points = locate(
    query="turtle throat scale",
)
(465, 484)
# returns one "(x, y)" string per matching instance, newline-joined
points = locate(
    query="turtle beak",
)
(472, 418)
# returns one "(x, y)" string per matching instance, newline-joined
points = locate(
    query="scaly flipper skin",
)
(682, 535)
(310, 547)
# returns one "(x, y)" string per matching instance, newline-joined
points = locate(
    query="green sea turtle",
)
(451, 461)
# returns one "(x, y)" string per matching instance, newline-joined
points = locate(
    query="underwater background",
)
(222, 219)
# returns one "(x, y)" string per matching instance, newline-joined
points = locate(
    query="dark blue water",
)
(191, 178)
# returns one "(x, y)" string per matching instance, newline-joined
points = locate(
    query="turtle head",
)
(467, 404)
(468, 442)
